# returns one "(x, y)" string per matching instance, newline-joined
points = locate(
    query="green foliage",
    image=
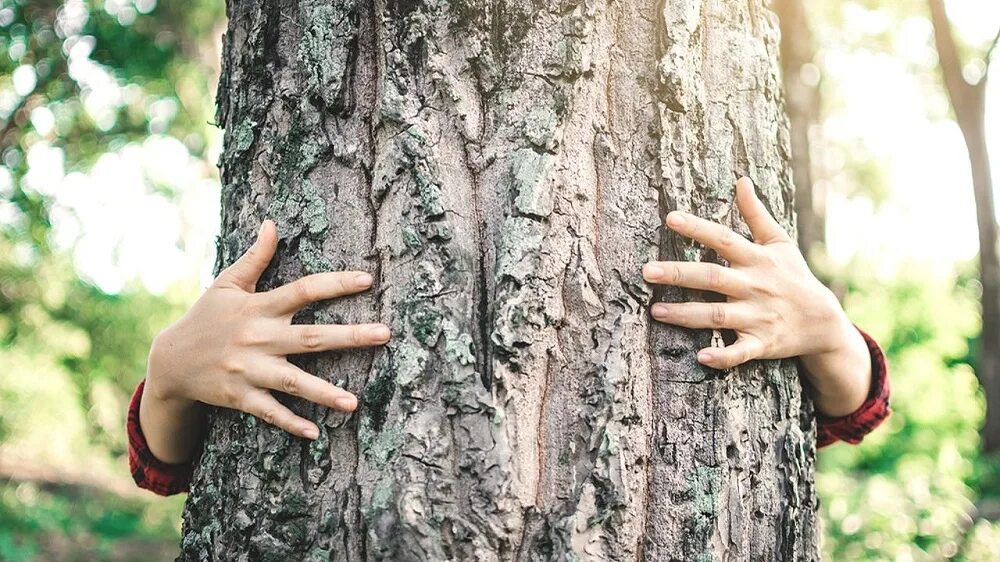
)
(84, 78)
(43, 522)
(908, 491)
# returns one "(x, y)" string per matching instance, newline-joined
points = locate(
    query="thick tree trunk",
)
(504, 167)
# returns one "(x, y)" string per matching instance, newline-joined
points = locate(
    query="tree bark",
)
(968, 101)
(504, 168)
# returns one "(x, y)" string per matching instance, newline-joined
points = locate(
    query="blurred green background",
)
(109, 209)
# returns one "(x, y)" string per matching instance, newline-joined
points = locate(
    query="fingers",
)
(321, 286)
(734, 316)
(245, 271)
(289, 379)
(261, 404)
(762, 225)
(697, 275)
(745, 349)
(723, 240)
(310, 338)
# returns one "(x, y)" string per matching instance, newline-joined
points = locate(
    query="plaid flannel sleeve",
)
(853, 427)
(148, 471)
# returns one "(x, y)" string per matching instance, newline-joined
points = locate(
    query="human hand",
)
(230, 348)
(774, 303)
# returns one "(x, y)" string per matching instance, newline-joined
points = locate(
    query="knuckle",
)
(290, 384)
(304, 289)
(761, 350)
(310, 337)
(358, 337)
(676, 275)
(718, 314)
(269, 415)
(233, 366)
(240, 400)
(715, 277)
(727, 237)
(232, 395)
(772, 317)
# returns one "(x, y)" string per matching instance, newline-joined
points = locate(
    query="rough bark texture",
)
(802, 103)
(504, 167)
(968, 101)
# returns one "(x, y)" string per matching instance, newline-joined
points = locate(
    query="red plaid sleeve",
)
(148, 471)
(854, 426)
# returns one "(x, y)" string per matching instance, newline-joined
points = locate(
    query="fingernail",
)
(379, 333)
(348, 403)
(660, 310)
(675, 218)
(705, 356)
(363, 279)
(260, 231)
(652, 272)
(310, 433)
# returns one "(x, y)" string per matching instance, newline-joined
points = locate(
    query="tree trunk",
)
(968, 101)
(988, 369)
(503, 168)
(802, 104)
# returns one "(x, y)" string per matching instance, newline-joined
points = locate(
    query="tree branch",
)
(961, 93)
(989, 51)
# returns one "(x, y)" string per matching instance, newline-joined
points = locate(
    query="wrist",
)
(836, 327)
(839, 343)
(840, 375)
(168, 426)
(158, 387)
(154, 399)
(838, 368)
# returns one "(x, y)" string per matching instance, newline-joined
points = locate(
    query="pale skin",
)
(230, 349)
(775, 304)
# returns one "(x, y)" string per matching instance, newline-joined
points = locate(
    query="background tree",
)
(801, 75)
(968, 101)
(504, 169)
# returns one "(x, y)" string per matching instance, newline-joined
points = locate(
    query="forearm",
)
(841, 376)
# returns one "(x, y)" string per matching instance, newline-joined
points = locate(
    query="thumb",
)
(245, 272)
(762, 225)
